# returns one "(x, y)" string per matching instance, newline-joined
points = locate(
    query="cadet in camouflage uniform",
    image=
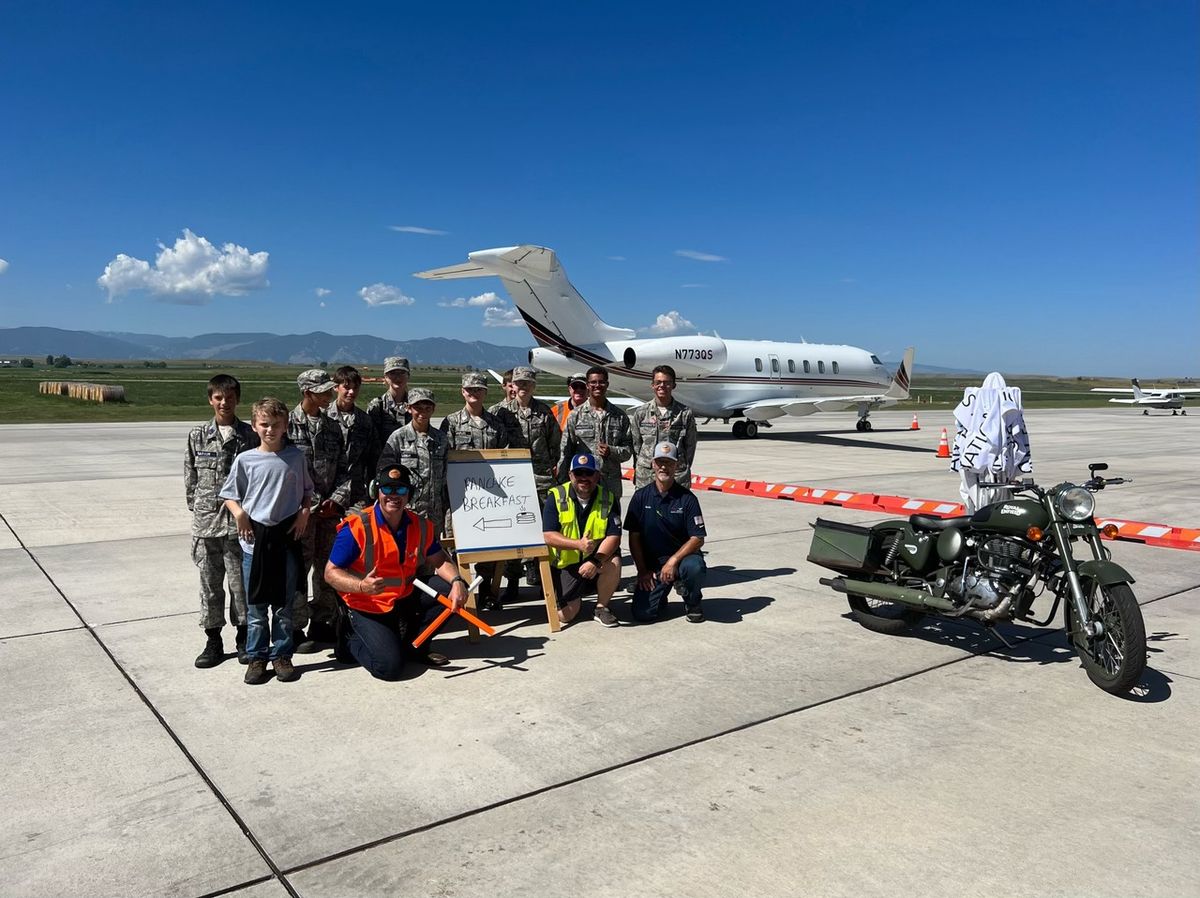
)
(663, 420)
(389, 412)
(361, 443)
(207, 459)
(474, 427)
(531, 425)
(601, 429)
(422, 450)
(320, 438)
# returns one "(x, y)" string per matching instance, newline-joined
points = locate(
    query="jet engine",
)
(690, 356)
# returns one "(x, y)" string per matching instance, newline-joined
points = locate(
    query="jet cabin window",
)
(820, 367)
(775, 366)
(807, 367)
(791, 367)
(835, 368)
(758, 364)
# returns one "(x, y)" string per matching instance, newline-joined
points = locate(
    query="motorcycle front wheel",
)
(1116, 658)
(890, 618)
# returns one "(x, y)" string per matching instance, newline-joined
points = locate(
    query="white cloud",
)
(483, 300)
(699, 256)
(322, 305)
(692, 286)
(414, 229)
(189, 273)
(321, 291)
(615, 258)
(501, 316)
(670, 323)
(3, 265)
(384, 295)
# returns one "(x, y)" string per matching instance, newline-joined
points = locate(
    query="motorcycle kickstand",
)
(1000, 636)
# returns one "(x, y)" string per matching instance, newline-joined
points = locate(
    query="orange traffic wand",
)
(445, 615)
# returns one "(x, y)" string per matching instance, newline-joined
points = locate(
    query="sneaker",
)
(605, 617)
(213, 653)
(256, 672)
(285, 671)
(695, 617)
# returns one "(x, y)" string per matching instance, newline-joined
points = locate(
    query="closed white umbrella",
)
(990, 440)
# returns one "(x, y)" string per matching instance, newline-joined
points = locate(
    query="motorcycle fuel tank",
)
(1011, 516)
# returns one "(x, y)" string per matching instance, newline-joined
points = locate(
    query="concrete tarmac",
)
(776, 749)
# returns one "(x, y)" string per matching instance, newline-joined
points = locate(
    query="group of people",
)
(355, 500)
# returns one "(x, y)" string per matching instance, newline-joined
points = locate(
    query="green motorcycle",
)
(991, 566)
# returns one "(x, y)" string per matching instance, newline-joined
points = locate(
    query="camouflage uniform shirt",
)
(206, 464)
(321, 441)
(464, 432)
(361, 448)
(535, 429)
(424, 454)
(388, 415)
(652, 425)
(586, 430)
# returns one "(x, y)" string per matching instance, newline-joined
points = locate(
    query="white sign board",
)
(493, 500)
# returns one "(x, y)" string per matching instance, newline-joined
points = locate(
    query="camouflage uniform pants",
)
(317, 544)
(220, 560)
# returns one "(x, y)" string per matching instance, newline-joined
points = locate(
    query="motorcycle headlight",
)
(1076, 504)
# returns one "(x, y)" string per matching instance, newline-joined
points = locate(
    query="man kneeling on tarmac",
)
(581, 523)
(375, 559)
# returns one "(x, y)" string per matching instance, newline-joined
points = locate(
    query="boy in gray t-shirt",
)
(268, 492)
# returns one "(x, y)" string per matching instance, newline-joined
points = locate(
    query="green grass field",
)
(177, 392)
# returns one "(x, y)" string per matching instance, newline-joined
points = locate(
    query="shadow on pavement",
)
(726, 574)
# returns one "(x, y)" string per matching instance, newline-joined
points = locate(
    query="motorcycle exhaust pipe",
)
(888, 592)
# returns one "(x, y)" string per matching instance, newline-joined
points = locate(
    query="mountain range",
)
(289, 349)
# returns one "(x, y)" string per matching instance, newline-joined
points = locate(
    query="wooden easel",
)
(466, 560)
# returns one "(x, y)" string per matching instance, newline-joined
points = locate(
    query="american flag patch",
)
(699, 519)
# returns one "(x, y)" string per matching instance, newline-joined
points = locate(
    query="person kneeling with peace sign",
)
(375, 559)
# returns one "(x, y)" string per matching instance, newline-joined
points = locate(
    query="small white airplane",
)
(1148, 399)
(751, 379)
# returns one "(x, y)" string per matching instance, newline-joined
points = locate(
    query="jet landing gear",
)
(863, 425)
(746, 430)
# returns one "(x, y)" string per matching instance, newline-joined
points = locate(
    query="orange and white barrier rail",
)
(1129, 531)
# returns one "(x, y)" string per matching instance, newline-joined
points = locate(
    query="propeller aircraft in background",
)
(1148, 399)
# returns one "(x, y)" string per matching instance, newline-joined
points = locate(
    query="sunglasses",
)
(394, 490)
(584, 472)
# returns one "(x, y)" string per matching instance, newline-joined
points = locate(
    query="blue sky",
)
(1008, 186)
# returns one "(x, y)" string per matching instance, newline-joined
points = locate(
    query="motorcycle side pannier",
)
(845, 547)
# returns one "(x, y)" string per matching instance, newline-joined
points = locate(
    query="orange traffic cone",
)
(915, 425)
(943, 446)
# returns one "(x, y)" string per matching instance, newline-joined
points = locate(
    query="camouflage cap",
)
(577, 378)
(395, 363)
(420, 394)
(524, 372)
(315, 380)
(474, 379)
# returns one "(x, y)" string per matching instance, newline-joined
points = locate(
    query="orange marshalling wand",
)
(445, 615)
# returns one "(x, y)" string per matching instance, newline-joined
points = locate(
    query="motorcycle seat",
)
(925, 522)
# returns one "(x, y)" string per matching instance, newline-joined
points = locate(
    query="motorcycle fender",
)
(1104, 572)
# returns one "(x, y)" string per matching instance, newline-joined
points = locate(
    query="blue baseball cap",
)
(583, 462)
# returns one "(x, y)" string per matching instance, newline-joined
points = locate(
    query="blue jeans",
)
(648, 604)
(280, 644)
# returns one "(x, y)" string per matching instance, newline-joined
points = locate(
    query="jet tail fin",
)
(898, 389)
(551, 306)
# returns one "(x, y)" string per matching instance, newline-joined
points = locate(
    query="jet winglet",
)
(903, 378)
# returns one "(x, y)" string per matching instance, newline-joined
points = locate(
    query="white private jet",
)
(1148, 399)
(753, 379)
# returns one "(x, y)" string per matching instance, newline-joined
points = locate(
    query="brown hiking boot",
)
(285, 671)
(256, 672)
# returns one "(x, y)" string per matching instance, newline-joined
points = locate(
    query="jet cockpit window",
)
(758, 364)
(807, 367)
(820, 367)
(791, 366)
(835, 368)
(875, 359)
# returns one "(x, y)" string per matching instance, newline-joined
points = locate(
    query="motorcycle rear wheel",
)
(890, 618)
(1116, 659)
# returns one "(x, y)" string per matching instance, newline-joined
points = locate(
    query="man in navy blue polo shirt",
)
(666, 531)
